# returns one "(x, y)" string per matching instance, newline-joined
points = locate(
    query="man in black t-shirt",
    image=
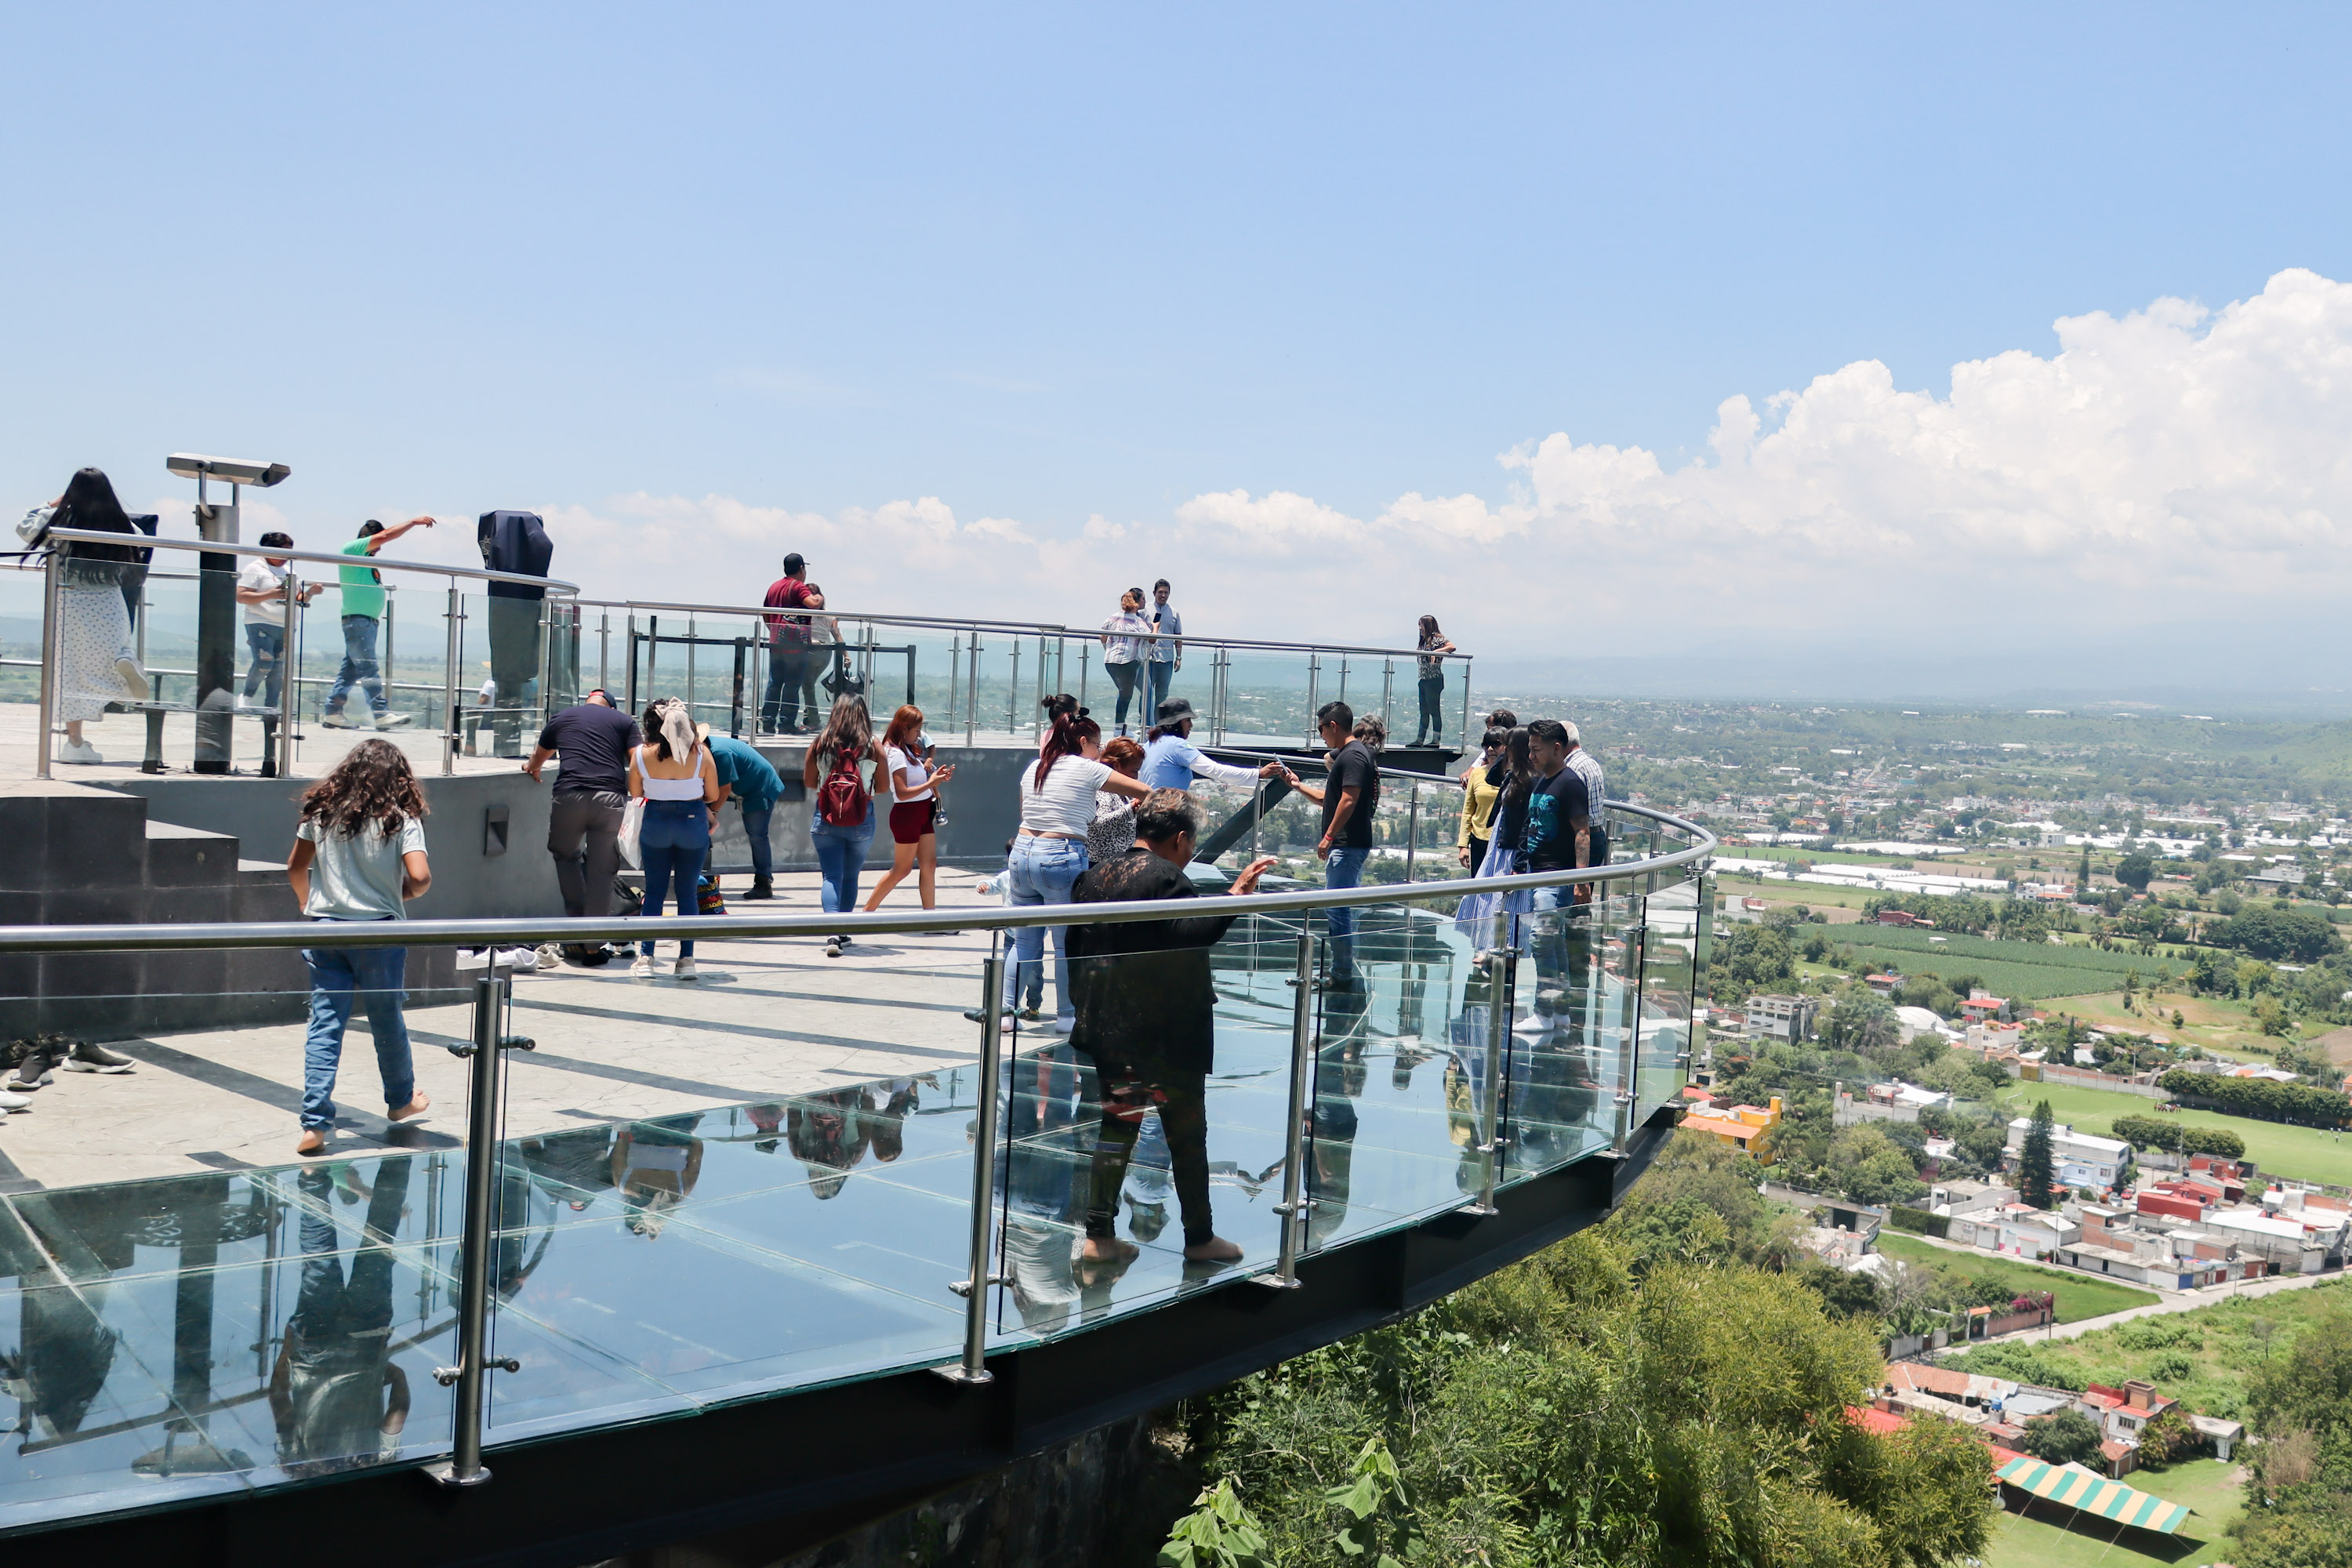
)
(591, 793)
(1563, 833)
(1350, 793)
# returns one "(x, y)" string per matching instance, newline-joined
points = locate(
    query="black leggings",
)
(1128, 1093)
(1433, 724)
(1124, 677)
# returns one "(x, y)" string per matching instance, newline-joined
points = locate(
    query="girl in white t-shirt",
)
(1123, 651)
(1058, 805)
(914, 810)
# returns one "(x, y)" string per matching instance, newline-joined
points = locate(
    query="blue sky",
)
(1048, 265)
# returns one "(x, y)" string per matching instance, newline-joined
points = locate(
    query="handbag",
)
(35, 524)
(633, 828)
(706, 898)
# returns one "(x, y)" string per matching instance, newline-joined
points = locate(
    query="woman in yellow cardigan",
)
(1478, 798)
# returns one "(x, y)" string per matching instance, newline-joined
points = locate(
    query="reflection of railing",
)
(1592, 963)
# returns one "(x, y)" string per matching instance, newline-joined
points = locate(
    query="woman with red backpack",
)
(841, 804)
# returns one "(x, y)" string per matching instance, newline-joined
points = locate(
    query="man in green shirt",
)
(362, 608)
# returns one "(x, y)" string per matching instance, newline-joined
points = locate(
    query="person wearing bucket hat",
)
(1171, 761)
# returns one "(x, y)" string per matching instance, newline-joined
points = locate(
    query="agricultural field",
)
(2076, 1296)
(2020, 971)
(2306, 1153)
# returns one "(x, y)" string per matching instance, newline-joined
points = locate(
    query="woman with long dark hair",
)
(676, 777)
(1058, 805)
(1513, 776)
(1478, 798)
(358, 855)
(1122, 641)
(1434, 645)
(914, 809)
(841, 804)
(98, 662)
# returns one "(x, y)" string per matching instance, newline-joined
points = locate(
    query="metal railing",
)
(487, 1044)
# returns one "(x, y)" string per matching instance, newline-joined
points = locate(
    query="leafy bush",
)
(2167, 1438)
(2061, 1437)
(2020, 1363)
(1919, 1221)
(2177, 1137)
(2260, 1098)
(2267, 932)
(2171, 1367)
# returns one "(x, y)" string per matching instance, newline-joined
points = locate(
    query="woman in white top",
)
(1122, 643)
(675, 776)
(914, 809)
(1057, 807)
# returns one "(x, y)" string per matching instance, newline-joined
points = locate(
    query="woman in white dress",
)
(97, 663)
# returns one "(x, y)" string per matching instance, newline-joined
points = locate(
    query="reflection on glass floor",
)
(205, 1334)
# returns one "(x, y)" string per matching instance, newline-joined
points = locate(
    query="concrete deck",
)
(766, 1018)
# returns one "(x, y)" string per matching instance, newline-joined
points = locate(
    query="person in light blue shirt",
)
(747, 778)
(1164, 657)
(1171, 761)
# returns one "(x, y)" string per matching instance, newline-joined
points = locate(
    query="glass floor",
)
(195, 1335)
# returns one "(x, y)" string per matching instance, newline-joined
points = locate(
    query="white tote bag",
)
(633, 826)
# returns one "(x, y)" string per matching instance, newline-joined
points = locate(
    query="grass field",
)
(2020, 971)
(2079, 1295)
(2303, 1152)
(2056, 1537)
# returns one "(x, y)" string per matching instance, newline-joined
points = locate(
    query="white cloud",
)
(2167, 464)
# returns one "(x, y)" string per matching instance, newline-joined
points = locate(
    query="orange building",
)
(1741, 1126)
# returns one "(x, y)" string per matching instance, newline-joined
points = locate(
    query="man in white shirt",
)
(1163, 658)
(261, 589)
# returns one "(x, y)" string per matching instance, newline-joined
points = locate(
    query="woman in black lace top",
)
(1146, 1014)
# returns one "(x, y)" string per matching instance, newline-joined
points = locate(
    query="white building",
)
(2076, 1159)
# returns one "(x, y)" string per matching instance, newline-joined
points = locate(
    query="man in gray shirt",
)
(1163, 658)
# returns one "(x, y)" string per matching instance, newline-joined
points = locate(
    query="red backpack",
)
(841, 800)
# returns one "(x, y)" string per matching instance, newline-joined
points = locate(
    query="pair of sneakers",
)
(41, 1061)
(643, 969)
(336, 718)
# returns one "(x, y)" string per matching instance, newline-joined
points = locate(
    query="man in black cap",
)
(788, 650)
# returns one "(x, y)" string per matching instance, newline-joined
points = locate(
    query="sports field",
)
(2306, 1153)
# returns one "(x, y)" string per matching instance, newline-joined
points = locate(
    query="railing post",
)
(1412, 836)
(1012, 690)
(1303, 1060)
(1388, 697)
(971, 697)
(52, 573)
(1313, 669)
(1219, 663)
(1085, 654)
(1465, 707)
(290, 698)
(955, 678)
(449, 681)
(464, 1468)
(1501, 985)
(604, 649)
(1629, 1030)
(973, 1287)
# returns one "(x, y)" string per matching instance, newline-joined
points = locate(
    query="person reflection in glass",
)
(654, 1167)
(338, 1399)
(828, 1134)
(1146, 1014)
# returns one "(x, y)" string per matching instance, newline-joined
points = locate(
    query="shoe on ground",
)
(14, 1101)
(980, 1014)
(87, 1057)
(760, 887)
(133, 679)
(1032, 1013)
(394, 721)
(37, 1067)
(337, 719)
(643, 969)
(683, 969)
(82, 752)
(550, 955)
(832, 947)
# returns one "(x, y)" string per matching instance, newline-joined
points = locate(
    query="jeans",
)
(1044, 871)
(1158, 674)
(1432, 723)
(583, 834)
(267, 671)
(358, 669)
(780, 706)
(1345, 869)
(673, 844)
(840, 857)
(372, 977)
(1126, 676)
(1561, 937)
(755, 828)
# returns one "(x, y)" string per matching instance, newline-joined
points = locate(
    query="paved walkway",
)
(766, 1018)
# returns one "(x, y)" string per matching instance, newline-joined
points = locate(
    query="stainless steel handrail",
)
(713, 927)
(382, 563)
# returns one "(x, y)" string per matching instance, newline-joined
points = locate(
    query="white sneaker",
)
(643, 969)
(337, 720)
(133, 679)
(392, 720)
(14, 1101)
(832, 947)
(550, 955)
(683, 969)
(80, 752)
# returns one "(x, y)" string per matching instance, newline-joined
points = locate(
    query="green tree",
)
(2035, 1175)
(1861, 1023)
(2300, 1492)
(2135, 871)
(2064, 1437)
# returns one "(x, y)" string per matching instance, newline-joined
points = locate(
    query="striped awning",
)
(2093, 1495)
